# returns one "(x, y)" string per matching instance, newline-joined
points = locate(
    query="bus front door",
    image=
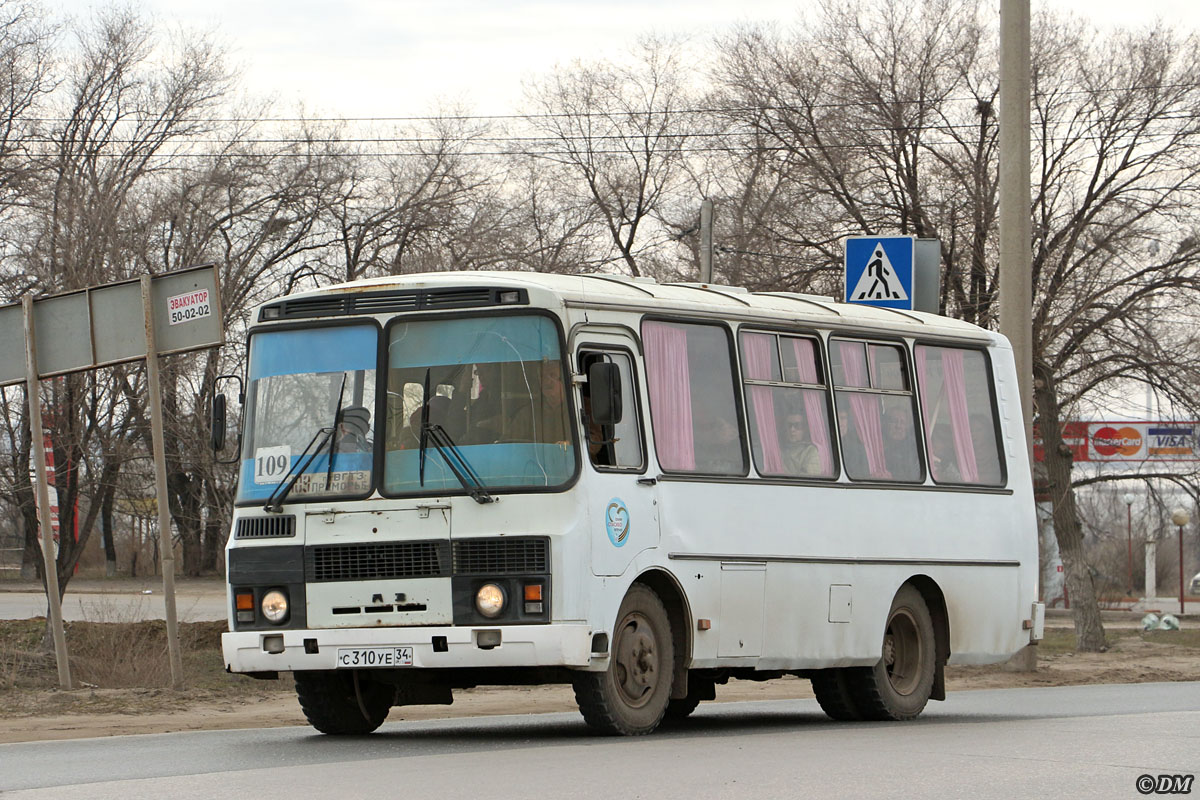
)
(622, 498)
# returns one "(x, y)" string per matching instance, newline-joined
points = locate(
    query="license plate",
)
(350, 657)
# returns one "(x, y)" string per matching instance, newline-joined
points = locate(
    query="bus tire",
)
(900, 684)
(630, 697)
(343, 703)
(835, 694)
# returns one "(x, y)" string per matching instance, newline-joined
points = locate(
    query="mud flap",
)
(939, 681)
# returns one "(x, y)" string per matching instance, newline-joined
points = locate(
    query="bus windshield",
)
(495, 386)
(310, 392)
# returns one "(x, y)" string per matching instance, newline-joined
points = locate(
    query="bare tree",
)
(619, 131)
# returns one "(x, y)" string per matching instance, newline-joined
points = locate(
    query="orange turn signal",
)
(533, 592)
(245, 602)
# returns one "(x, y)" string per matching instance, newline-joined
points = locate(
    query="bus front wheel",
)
(343, 703)
(900, 683)
(630, 697)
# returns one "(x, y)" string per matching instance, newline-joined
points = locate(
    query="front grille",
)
(516, 556)
(356, 562)
(266, 527)
(427, 559)
(389, 302)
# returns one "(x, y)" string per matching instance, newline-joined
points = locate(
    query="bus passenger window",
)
(787, 405)
(689, 377)
(956, 404)
(876, 415)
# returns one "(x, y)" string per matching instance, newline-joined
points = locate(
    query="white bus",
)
(641, 489)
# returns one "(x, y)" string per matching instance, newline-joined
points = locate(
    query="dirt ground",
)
(42, 714)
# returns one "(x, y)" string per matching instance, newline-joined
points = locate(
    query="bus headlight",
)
(489, 600)
(275, 606)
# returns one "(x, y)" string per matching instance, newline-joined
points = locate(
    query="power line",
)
(842, 104)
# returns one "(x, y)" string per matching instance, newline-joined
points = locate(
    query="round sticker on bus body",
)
(616, 521)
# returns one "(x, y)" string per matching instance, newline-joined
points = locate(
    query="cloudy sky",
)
(388, 58)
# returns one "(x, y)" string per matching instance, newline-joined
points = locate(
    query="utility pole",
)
(1016, 294)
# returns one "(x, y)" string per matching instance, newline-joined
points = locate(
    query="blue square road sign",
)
(879, 271)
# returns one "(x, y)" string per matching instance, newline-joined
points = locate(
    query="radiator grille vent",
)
(272, 527)
(427, 559)
(501, 556)
(356, 562)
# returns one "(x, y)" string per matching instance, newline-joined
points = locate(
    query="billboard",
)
(1127, 441)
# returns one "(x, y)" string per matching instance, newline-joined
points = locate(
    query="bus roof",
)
(647, 295)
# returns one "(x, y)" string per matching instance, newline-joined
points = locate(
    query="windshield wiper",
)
(284, 487)
(328, 433)
(455, 460)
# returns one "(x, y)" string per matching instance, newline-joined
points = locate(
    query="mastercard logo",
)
(1109, 441)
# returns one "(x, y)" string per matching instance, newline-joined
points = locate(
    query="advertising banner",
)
(1127, 441)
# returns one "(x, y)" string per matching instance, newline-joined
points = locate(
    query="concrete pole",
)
(38, 445)
(1151, 567)
(706, 246)
(1015, 228)
(166, 550)
(1015, 234)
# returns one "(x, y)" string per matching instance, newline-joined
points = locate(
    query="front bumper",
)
(560, 645)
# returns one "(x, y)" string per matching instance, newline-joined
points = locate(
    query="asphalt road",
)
(1079, 741)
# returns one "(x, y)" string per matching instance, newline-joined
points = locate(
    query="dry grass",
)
(119, 667)
(1062, 640)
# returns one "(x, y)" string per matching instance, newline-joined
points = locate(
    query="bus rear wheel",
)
(834, 690)
(900, 683)
(630, 697)
(343, 703)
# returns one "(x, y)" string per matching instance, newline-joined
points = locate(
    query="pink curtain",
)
(757, 352)
(814, 403)
(954, 390)
(866, 409)
(955, 382)
(669, 383)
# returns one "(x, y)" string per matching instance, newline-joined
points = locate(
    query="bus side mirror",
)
(217, 421)
(604, 391)
(217, 418)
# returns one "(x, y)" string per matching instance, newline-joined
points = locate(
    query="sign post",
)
(50, 565)
(165, 546)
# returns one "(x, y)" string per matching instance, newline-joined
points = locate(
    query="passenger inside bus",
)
(354, 423)
(943, 459)
(800, 455)
(542, 415)
(899, 445)
(718, 448)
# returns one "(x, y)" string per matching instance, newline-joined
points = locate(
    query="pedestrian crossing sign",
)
(879, 271)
